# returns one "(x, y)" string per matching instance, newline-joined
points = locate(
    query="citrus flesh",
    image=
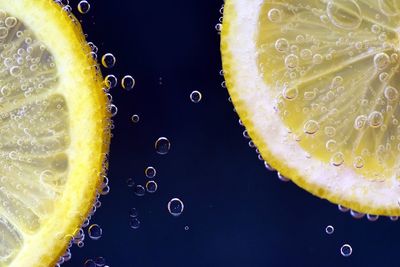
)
(317, 85)
(53, 131)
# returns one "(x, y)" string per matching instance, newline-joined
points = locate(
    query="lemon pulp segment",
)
(317, 85)
(53, 131)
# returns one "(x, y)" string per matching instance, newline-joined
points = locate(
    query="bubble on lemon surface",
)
(345, 14)
(175, 207)
(195, 96)
(83, 7)
(128, 82)
(162, 145)
(110, 81)
(108, 60)
(346, 250)
(95, 232)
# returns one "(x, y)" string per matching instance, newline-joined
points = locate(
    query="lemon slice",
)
(317, 85)
(53, 131)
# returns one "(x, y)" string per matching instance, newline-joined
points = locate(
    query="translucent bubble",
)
(162, 145)
(108, 60)
(175, 207)
(150, 172)
(360, 121)
(329, 229)
(343, 209)
(83, 7)
(384, 76)
(151, 186)
(330, 131)
(283, 178)
(306, 54)
(372, 218)
(110, 81)
(186, 228)
(391, 93)
(346, 250)
(345, 14)
(268, 167)
(381, 61)
(358, 162)
(394, 218)
(135, 118)
(356, 214)
(331, 145)
(282, 45)
(274, 15)
(317, 59)
(375, 119)
(139, 190)
(195, 96)
(100, 261)
(95, 232)
(291, 61)
(128, 82)
(11, 22)
(89, 263)
(133, 213)
(337, 159)
(134, 223)
(290, 93)
(130, 182)
(311, 127)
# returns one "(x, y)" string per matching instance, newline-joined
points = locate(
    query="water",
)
(231, 202)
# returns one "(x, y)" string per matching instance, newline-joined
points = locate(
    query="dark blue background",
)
(238, 213)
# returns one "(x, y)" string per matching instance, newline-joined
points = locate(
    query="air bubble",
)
(175, 207)
(391, 93)
(291, 61)
(311, 127)
(162, 145)
(11, 22)
(381, 61)
(128, 82)
(329, 229)
(151, 186)
(134, 223)
(346, 250)
(331, 145)
(375, 119)
(95, 232)
(344, 14)
(83, 7)
(133, 213)
(358, 162)
(372, 218)
(283, 178)
(282, 45)
(90, 263)
(139, 190)
(110, 81)
(130, 182)
(195, 96)
(290, 93)
(150, 172)
(317, 59)
(135, 118)
(337, 159)
(108, 60)
(274, 15)
(360, 121)
(384, 77)
(356, 214)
